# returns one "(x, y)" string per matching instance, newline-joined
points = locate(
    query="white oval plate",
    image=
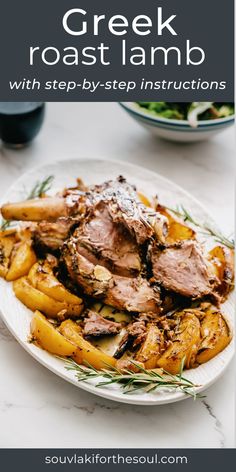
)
(17, 317)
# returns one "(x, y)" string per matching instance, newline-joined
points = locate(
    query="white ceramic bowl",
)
(177, 130)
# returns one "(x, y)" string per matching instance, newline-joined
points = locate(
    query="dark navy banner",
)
(105, 460)
(85, 50)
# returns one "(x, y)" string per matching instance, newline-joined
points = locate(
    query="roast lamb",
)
(116, 249)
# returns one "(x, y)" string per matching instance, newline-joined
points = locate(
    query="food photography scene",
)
(117, 274)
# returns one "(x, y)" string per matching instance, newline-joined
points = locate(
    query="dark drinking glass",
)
(20, 122)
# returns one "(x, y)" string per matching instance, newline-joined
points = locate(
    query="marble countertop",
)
(37, 408)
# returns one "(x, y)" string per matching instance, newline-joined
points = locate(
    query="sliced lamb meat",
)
(129, 213)
(135, 295)
(181, 268)
(138, 331)
(131, 294)
(125, 222)
(51, 235)
(126, 209)
(96, 325)
(106, 254)
(106, 243)
(140, 222)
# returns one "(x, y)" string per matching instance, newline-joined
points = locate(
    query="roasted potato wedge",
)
(222, 262)
(177, 230)
(49, 208)
(49, 338)
(7, 243)
(184, 345)
(36, 300)
(152, 348)
(42, 278)
(23, 259)
(86, 351)
(215, 334)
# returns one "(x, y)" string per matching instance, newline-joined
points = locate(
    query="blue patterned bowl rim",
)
(167, 123)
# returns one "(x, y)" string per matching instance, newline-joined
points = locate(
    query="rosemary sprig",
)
(205, 228)
(41, 187)
(37, 191)
(146, 380)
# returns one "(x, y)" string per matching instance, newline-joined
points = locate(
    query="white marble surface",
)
(38, 409)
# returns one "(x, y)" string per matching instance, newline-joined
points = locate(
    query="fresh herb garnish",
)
(145, 380)
(41, 187)
(205, 228)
